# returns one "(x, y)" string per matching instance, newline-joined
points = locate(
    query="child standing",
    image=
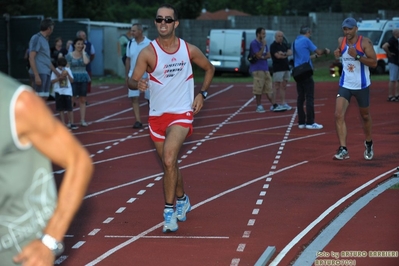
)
(63, 91)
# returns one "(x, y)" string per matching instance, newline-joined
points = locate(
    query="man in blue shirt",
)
(303, 48)
(260, 72)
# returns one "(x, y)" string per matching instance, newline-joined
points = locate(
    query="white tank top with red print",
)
(171, 82)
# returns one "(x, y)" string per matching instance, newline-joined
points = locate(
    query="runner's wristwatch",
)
(204, 94)
(55, 246)
(357, 57)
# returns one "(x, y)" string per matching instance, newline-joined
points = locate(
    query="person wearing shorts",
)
(63, 91)
(173, 104)
(357, 55)
(40, 59)
(391, 47)
(135, 45)
(262, 81)
(281, 68)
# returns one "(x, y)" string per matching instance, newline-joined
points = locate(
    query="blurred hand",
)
(352, 51)
(142, 85)
(337, 53)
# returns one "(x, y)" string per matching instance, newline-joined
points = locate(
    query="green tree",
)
(188, 9)
(271, 7)
(46, 8)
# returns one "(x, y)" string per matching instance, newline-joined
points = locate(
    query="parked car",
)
(228, 49)
(379, 32)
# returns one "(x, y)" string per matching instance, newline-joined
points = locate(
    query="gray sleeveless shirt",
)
(28, 193)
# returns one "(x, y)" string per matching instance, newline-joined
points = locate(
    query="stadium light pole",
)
(60, 16)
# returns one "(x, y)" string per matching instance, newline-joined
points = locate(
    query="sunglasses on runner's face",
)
(167, 20)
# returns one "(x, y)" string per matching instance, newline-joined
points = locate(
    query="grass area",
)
(321, 73)
(395, 186)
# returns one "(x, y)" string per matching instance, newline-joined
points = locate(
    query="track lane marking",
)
(144, 233)
(295, 240)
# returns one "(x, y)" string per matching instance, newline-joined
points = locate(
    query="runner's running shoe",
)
(369, 152)
(341, 154)
(182, 208)
(170, 224)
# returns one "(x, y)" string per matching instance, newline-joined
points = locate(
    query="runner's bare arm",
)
(371, 58)
(200, 60)
(145, 60)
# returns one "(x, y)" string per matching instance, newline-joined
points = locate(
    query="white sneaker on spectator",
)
(288, 107)
(260, 109)
(314, 126)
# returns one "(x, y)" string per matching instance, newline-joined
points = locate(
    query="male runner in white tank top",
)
(173, 103)
(357, 55)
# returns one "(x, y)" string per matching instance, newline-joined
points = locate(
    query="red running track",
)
(254, 180)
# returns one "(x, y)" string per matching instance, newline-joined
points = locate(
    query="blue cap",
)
(349, 23)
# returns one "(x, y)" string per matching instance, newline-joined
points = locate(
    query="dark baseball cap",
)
(349, 23)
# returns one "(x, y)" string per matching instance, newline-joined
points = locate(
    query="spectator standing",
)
(57, 51)
(136, 44)
(77, 61)
(68, 45)
(172, 103)
(392, 49)
(303, 47)
(62, 86)
(281, 68)
(33, 221)
(122, 44)
(357, 55)
(40, 59)
(262, 81)
(89, 48)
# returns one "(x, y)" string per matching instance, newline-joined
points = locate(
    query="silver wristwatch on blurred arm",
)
(55, 246)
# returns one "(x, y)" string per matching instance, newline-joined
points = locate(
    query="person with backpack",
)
(122, 44)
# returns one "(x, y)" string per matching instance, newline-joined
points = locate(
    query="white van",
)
(379, 32)
(227, 49)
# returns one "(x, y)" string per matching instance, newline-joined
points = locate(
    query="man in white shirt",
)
(135, 45)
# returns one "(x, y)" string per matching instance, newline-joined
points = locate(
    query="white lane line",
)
(251, 222)
(171, 236)
(120, 210)
(193, 164)
(108, 220)
(94, 232)
(131, 200)
(144, 233)
(241, 247)
(309, 255)
(246, 234)
(293, 242)
(78, 245)
(235, 262)
(141, 192)
(60, 260)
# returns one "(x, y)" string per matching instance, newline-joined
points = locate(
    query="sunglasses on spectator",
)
(167, 20)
